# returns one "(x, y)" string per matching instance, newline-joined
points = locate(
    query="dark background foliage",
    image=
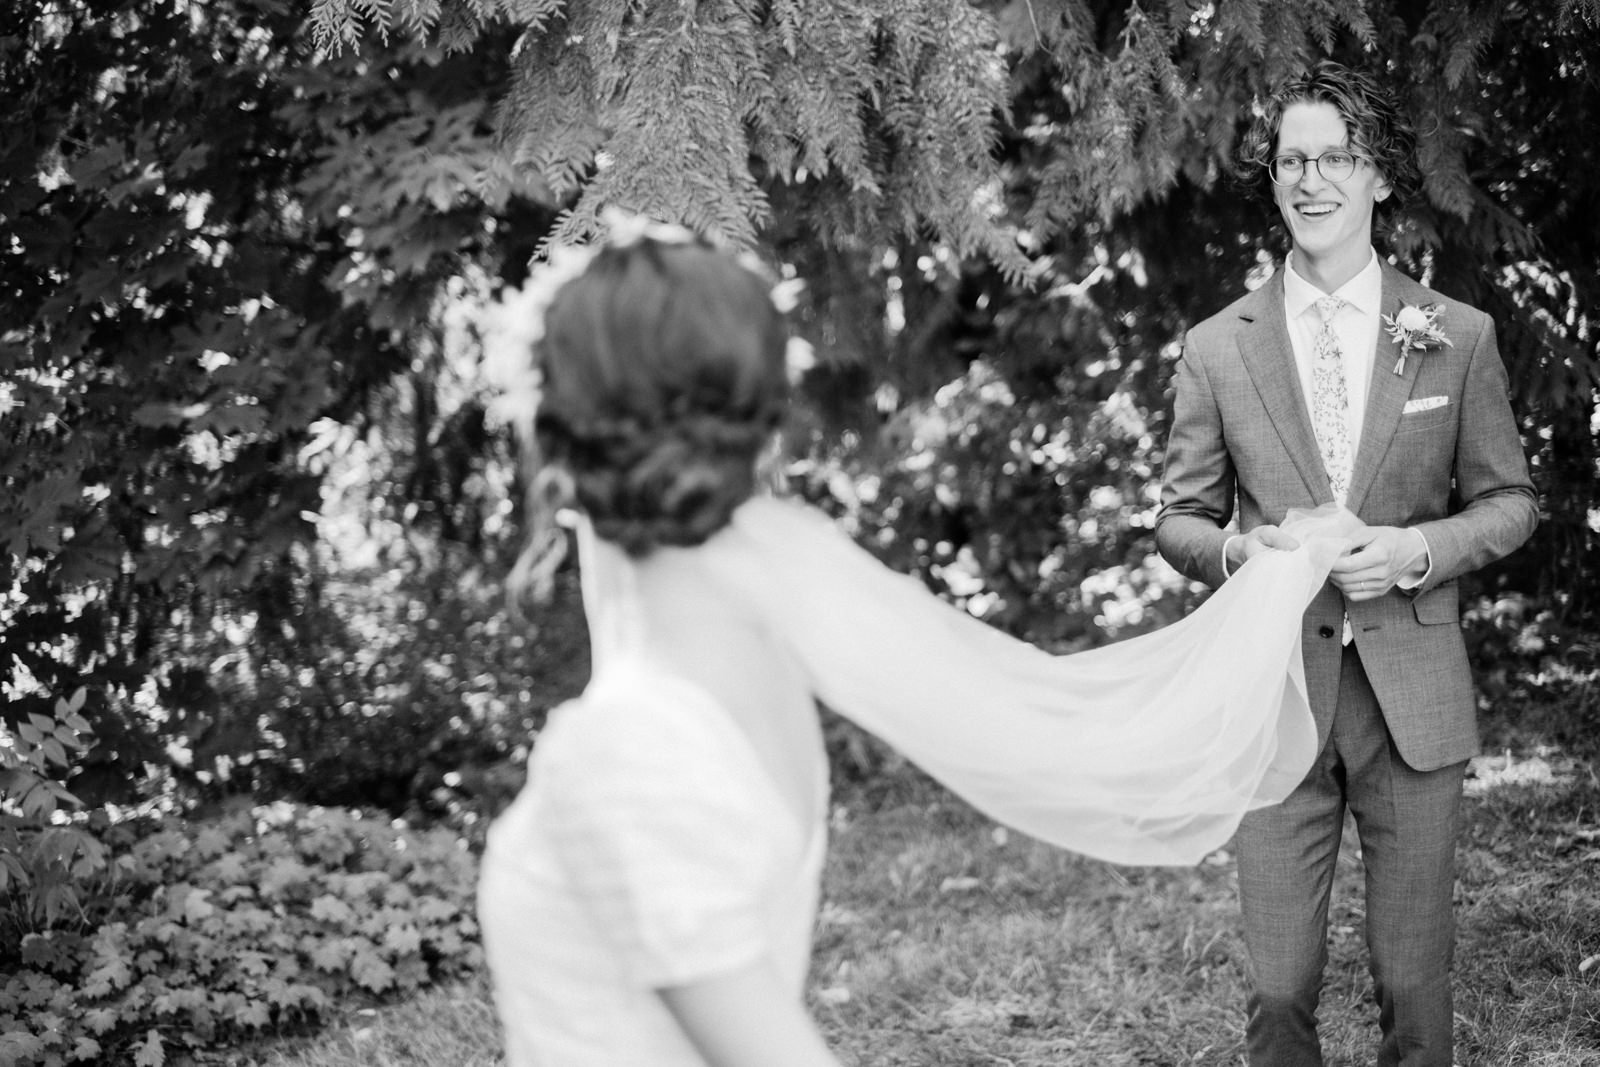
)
(252, 502)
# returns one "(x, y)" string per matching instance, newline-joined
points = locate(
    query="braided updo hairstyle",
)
(663, 380)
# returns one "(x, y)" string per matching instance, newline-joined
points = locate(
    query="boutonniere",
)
(1415, 329)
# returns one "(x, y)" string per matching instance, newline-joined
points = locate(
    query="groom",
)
(1342, 379)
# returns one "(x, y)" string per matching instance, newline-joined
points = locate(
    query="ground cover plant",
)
(945, 941)
(198, 936)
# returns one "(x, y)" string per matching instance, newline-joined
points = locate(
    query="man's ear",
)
(1381, 191)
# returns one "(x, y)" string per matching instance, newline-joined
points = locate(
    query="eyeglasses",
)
(1334, 166)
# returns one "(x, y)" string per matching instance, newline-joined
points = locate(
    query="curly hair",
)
(663, 379)
(1378, 128)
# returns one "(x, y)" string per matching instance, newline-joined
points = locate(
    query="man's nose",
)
(1311, 176)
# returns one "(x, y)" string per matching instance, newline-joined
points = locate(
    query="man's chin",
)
(1317, 245)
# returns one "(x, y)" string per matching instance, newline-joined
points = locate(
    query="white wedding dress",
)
(650, 847)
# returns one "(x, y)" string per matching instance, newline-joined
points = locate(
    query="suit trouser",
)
(1408, 822)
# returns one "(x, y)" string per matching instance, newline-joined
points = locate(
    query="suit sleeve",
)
(1198, 484)
(1498, 507)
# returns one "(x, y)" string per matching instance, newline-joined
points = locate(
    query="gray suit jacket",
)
(1241, 434)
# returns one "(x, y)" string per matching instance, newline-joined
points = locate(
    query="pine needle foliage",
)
(455, 24)
(690, 111)
(887, 113)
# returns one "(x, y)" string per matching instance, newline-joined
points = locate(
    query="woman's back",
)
(672, 826)
(724, 647)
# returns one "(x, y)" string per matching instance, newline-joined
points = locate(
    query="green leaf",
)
(55, 752)
(197, 907)
(255, 1014)
(11, 872)
(331, 955)
(111, 975)
(39, 950)
(19, 1047)
(371, 972)
(254, 963)
(211, 842)
(402, 940)
(331, 909)
(151, 1052)
(37, 800)
(283, 994)
(313, 998)
(437, 910)
(95, 166)
(67, 736)
(99, 1020)
(60, 901)
(232, 869)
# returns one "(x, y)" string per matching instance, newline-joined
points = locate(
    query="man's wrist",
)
(1417, 570)
(1229, 565)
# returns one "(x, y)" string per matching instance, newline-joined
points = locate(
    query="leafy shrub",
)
(402, 685)
(42, 857)
(1031, 512)
(31, 747)
(198, 935)
(1516, 642)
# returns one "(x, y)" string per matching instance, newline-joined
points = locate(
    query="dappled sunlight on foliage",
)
(200, 277)
(1033, 513)
(419, 680)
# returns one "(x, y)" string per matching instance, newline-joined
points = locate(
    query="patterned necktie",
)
(1330, 402)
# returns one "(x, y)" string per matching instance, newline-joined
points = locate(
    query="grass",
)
(948, 944)
(453, 1026)
(945, 941)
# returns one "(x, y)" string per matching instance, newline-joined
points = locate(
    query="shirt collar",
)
(1364, 292)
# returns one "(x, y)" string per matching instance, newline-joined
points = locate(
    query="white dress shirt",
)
(1356, 325)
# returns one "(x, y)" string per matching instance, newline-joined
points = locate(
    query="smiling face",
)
(1329, 223)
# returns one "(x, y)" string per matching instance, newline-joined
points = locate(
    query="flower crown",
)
(512, 325)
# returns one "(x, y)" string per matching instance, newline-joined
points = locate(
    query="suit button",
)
(1324, 631)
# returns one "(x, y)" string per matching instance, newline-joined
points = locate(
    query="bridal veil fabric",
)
(1148, 751)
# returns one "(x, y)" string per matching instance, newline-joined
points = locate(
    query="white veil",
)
(1148, 751)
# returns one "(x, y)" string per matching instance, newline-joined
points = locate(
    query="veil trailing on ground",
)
(1148, 751)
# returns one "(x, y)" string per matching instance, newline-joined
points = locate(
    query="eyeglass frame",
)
(1272, 166)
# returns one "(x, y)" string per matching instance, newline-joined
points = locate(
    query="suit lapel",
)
(1269, 359)
(1387, 392)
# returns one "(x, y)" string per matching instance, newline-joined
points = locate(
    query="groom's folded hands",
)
(1381, 558)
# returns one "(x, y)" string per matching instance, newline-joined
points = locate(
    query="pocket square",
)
(1424, 403)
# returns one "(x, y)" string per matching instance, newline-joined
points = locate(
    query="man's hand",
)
(1241, 547)
(1381, 557)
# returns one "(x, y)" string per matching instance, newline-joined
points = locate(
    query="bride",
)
(649, 896)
